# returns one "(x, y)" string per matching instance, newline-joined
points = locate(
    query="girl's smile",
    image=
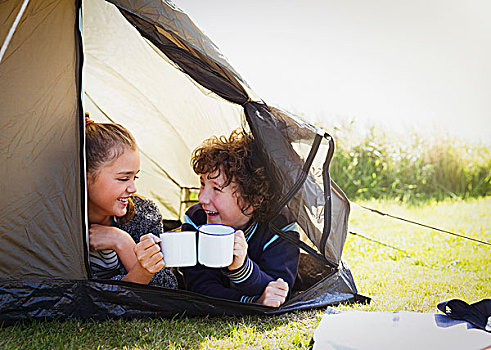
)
(110, 188)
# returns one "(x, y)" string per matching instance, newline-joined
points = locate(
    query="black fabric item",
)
(477, 314)
(302, 245)
(81, 131)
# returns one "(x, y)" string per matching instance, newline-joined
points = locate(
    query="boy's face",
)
(221, 203)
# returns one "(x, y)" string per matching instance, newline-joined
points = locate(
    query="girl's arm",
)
(147, 220)
(149, 260)
(103, 237)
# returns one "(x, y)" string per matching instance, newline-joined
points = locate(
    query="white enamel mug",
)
(215, 245)
(179, 248)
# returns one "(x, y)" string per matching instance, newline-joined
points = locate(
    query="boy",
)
(235, 191)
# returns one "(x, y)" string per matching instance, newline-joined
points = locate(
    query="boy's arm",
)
(205, 280)
(208, 281)
(279, 260)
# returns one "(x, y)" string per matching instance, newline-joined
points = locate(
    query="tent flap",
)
(287, 146)
(41, 221)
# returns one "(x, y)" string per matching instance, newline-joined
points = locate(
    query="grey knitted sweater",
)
(147, 219)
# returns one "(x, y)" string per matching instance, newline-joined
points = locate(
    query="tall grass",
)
(375, 163)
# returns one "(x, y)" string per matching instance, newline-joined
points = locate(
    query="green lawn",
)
(426, 268)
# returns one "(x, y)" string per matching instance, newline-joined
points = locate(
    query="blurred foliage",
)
(374, 163)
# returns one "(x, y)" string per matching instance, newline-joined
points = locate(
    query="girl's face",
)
(221, 203)
(109, 189)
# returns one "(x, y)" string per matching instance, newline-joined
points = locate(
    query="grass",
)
(426, 268)
(429, 266)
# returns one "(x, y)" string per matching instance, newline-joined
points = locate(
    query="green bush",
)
(376, 164)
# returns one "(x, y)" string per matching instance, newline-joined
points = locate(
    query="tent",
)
(143, 64)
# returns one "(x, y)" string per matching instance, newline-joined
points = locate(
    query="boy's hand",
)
(148, 253)
(240, 250)
(274, 294)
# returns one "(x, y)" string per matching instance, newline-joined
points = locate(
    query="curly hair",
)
(239, 160)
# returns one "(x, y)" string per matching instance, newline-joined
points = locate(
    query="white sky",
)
(422, 64)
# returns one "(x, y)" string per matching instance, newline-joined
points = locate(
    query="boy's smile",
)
(211, 213)
(221, 203)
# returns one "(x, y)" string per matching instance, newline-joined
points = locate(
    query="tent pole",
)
(12, 29)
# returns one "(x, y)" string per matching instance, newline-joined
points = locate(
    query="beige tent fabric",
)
(175, 25)
(8, 13)
(41, 233)
(127, 80)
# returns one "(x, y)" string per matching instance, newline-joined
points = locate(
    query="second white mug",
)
(215, 245)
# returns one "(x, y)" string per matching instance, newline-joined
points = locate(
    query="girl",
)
(117, 219)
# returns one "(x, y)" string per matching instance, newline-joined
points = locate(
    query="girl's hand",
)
(103, 237)
(148, 253)
(240, 250)
(274, 294)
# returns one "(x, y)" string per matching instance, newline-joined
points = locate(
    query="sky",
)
(423, 65)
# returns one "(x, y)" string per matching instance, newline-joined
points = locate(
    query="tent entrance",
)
(148, 67)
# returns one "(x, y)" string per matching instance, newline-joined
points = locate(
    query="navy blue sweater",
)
(269, 257)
